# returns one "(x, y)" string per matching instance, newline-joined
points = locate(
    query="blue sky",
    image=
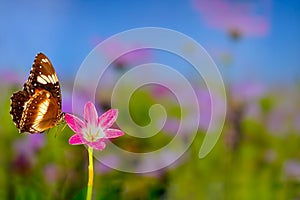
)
(64, 30)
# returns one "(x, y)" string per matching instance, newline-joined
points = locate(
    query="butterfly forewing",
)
(38, 106)
(43, 76)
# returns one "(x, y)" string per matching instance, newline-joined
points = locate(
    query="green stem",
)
(91, 174)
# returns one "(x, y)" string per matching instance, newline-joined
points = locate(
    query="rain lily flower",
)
(93, 132)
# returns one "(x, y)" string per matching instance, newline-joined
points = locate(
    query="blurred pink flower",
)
(110, 160)
(248, 94)
(236, 17)
(152, 167)
(93, 131)
(10, 77)
(297, 122)
(79, 100)
(291, 169)
(25, 150)
(283, 113)
(30, 143)
(114, 49)
(205, 106)
(247, 91)
(171, 126)
(159, 90)
(36, 142)
(52, 173)
(275, 122)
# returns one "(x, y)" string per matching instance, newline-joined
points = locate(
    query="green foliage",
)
(255, 168)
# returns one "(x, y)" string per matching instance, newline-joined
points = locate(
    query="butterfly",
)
(37, 107)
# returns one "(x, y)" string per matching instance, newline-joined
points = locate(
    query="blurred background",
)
(255, 44)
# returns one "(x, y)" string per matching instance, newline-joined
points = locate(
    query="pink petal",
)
(100, 145)
(75, 139)
(74, 123)
(113, 133)
(107, 119)
(90, 113)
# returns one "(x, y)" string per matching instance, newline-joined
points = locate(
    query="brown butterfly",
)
(38, 106)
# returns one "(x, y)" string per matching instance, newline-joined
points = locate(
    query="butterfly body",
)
(37, 107)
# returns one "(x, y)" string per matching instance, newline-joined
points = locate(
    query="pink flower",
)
(238, 17)
(115, 48)
(52, 173)
(93, 131)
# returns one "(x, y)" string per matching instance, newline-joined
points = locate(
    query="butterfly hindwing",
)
(40, 113)
(18, 101)
(38, 106)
